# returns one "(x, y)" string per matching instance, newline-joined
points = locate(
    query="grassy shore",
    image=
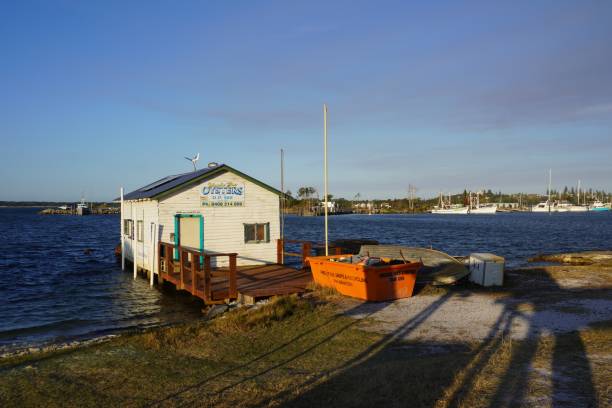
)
(310, 352)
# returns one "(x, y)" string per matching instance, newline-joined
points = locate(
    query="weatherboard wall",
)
(224, 226)
(144, 251)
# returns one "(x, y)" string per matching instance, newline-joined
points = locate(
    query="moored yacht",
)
(564, 206)
(543, 206)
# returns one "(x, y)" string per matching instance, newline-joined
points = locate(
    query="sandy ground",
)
(540, 301)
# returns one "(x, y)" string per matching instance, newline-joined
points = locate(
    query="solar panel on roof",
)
(160, 182)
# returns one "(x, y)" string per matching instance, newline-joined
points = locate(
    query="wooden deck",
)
(193, 272)
(251, 281)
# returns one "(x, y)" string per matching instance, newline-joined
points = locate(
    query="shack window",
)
(128, 228)
(256, 233)
(139, 230)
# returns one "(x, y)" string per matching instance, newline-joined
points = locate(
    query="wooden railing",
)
(306, 250)
(192, 271)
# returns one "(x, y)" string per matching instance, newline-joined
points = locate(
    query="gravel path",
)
(461, 315)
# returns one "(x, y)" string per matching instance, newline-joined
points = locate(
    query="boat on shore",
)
(387, 272)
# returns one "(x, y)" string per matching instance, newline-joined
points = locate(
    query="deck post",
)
(232, 277)
(160, 278)
(280, 247)
(134, 262)
(134, 245)
(207, 283)
(181, 270)
(152, 255)
(306, 248)
(122, 234)
(195, 266)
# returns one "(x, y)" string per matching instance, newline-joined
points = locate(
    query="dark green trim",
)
(221, 169)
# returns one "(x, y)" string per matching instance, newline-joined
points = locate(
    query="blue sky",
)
(442, 95)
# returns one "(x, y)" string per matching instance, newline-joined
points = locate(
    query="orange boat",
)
(359, 278)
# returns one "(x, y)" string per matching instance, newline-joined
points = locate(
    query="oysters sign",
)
(222, 195)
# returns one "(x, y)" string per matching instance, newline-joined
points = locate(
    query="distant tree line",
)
(308, 197)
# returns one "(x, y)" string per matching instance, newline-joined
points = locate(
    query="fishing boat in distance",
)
(598, 206)
(446, 207)
(477, 208)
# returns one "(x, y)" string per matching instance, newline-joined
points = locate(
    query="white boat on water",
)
(579, 207)
(561, 206)
(598, 206)
(543, 206)
(558, 206)
(484, 209)
(477, 208)
(564, 206)
(454, 209)
(549, 205)
(445, 207)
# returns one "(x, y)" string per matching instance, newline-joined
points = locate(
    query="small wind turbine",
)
(193, 160)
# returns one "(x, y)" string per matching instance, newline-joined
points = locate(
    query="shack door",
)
(189, 232)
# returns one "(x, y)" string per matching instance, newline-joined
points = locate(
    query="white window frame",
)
(140, 230)
(128, 228)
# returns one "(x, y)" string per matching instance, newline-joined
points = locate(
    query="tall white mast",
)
(282, 181)
(122, 232)
(578, 192)
(325, 172)
(549, 187)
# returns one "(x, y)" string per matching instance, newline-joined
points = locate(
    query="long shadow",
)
(482, 355)
(204, 381)
(571, 376)
(561, 361)
(368, 353)
(571, 373)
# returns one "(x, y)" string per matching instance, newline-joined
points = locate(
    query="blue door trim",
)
(177, 228)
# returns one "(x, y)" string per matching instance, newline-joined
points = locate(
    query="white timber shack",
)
(213, 210)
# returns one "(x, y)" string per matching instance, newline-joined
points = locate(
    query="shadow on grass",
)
(381, 376)
(182, 395)
(392, 372)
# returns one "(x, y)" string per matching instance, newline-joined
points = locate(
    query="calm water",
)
(51, 290)
(515, 236)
